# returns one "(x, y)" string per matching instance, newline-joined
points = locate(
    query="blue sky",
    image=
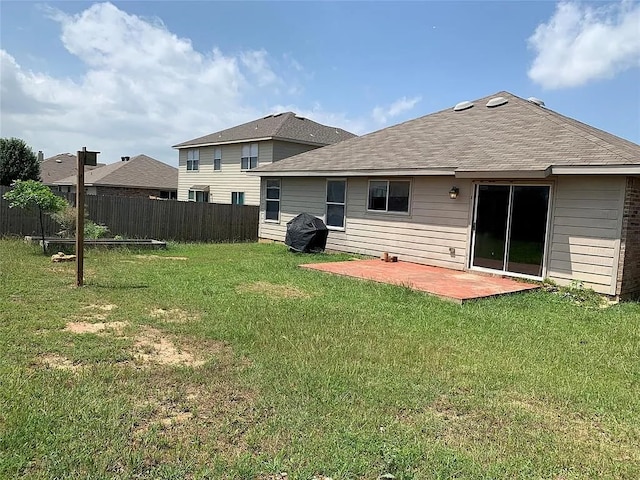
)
(137, 77)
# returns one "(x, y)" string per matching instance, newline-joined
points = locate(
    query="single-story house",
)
(500, 185)
(58, 167)
(214, 168)
(139, 176)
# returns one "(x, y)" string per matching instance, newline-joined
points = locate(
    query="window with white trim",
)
(193, 159)
(249, 158)
(198, 196)
(389, 195)
(272, 200)
(217, 158)
(336, 204)
(237, 198)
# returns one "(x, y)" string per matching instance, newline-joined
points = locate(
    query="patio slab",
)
(455, 285)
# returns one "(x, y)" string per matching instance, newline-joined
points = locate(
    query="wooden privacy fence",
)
(144, 218)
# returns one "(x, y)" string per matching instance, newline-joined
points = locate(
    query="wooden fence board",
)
(133, 217)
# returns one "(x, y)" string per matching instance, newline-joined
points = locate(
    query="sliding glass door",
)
(510, 228)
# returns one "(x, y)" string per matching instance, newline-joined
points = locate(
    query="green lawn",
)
(228, 361)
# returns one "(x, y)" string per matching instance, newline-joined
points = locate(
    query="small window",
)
(193, 159)
(273, 201)
(217, 159)
(198, 196)
(249, 156)
(336, 202)
(389, 196)
(237, 198)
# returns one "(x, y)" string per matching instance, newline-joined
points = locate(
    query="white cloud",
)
(143, 89)
(404, 104)
(581, 43)
(256, 62)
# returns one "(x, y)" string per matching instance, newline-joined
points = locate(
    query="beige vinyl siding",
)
(227, 180)
(434, 225)
(585, 231)
(288, 149)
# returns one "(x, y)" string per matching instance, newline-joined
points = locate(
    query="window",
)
(217, 159)
(193, 159)
(198, 196)
(336, 200)
(249, 156)
(389, 196)
(169, 195)
(237, 198)
(273, 201)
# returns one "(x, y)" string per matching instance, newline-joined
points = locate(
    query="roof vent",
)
(300, 117)
(125, 159)
(496, 102)
(58, 160)
(462, 106)
(535, 100)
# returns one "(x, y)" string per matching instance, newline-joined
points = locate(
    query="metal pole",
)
(80, 219)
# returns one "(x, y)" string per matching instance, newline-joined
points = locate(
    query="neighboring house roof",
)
(60, 166)
(141, 171)
(281, 126)
(518, 136)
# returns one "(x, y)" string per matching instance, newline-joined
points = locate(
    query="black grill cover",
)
(306, 233)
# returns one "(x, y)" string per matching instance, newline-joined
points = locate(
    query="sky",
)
(125, 78)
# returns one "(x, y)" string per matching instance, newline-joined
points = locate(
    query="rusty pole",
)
(80, 218)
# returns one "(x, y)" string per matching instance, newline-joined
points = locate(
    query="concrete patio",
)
(454, 285)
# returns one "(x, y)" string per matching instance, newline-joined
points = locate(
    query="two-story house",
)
(214, 168)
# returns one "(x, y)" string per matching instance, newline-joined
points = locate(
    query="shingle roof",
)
(60, 166)
(140, 171)
(282, 126)
(518, 135)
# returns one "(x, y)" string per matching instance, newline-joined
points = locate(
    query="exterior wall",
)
(288, 149)
(628, 281)
(434, 225)
(585, 231)
(583, 240)
(226, 180)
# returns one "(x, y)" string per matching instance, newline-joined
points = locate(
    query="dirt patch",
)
(174, 315)
(86, 327)
(273, 290)
(151, 347)
(58, 362)
(159, 257)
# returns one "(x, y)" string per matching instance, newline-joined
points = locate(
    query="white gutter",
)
(597, 170)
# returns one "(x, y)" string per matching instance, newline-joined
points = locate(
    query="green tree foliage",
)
(17, 161)
(30, 195)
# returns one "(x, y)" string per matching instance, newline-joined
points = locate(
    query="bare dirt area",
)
(151, 347)
(273, 290)
(87, 327)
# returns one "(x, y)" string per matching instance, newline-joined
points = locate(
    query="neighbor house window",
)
(249, 156)
(273, 200)
(336, 200)
(198, 196)
(193, 159)
(237, 198)
(217, 159)
(389, 195)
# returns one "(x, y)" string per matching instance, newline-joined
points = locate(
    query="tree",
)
(17, 161)
(29, 194)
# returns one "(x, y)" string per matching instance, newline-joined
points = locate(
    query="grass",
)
(231, 362)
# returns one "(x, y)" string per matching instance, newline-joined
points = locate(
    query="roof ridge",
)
(582, 129)
(285, 118)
